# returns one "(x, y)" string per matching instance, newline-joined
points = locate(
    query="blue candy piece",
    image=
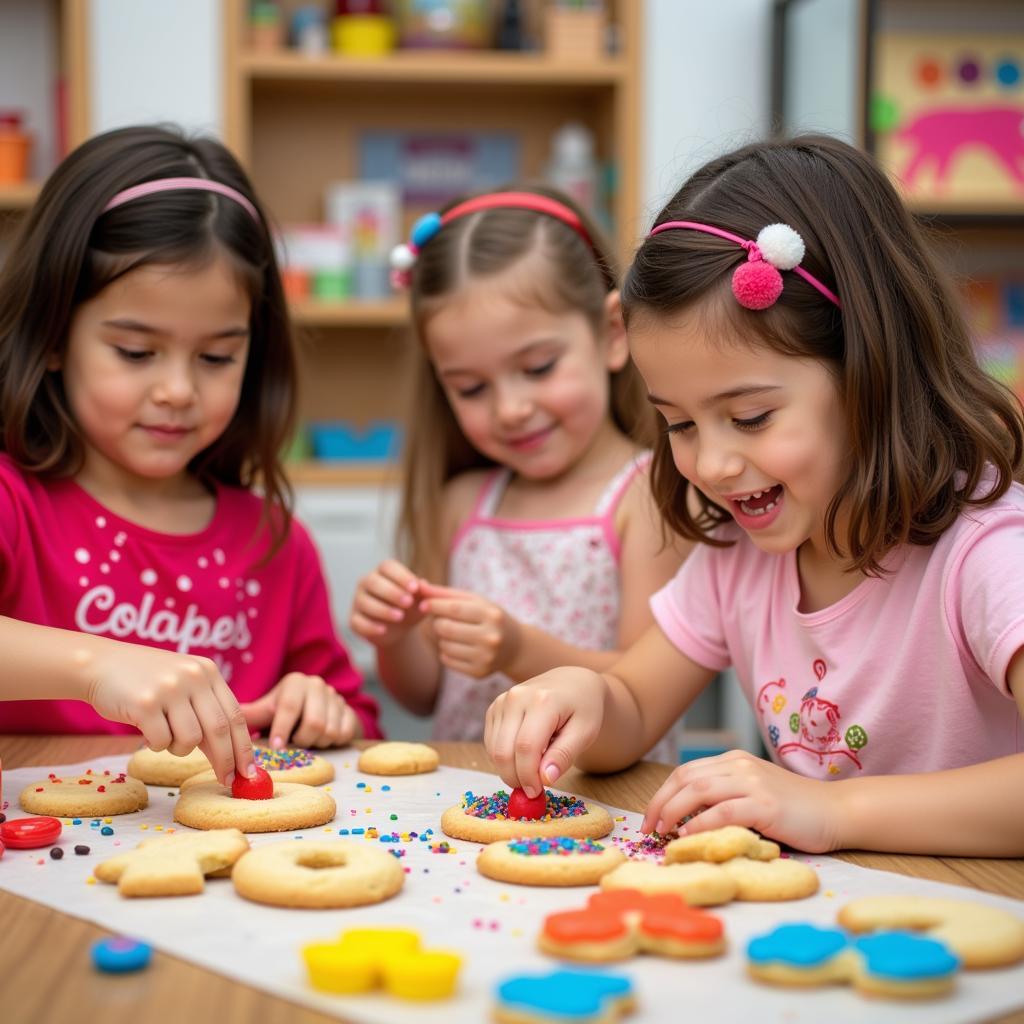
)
(565, 995)
(906, 956)
(802, 945)
(120, 955)
(425, 228)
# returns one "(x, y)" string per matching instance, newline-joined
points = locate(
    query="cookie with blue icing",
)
(568, 997)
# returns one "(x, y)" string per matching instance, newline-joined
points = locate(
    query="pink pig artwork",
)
(941, 133)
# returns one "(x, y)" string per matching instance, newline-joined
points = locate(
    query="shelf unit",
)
(294, 121)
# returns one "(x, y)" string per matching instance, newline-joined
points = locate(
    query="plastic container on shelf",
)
(573, 168)
(266, 26)
(15, 147)
(445, 24)
(307, 31)
(341, 441)
(362, 28)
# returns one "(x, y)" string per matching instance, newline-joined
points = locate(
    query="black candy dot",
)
(56, 852)
(81, 849)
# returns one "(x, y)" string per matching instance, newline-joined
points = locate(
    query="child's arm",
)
(177, 701)
(975, 811)
(602, 723)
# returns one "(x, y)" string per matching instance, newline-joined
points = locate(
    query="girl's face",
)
(760, 433)
(153, 370)
(529, 388)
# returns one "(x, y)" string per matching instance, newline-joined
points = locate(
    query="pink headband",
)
(148, 188)
(758, 283)
(403, 257)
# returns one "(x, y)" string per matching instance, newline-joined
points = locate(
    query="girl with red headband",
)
(528, 535)
(147, 384)
(848, 472)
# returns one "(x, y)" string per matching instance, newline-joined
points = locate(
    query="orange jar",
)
(15, 146)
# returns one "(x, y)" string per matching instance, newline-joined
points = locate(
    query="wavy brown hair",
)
(570, 276)
(923, 420)
(68, 250)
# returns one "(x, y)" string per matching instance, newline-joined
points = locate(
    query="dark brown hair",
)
(68, 250)
(923, 420)
(570, 276)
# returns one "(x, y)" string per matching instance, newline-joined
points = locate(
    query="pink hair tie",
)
(757, 284)
(148, 188)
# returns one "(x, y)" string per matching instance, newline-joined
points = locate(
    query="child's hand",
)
(324, 717)
(739, 789)
(177, 701)
(474, 636)
(384, 607)
(534, 731)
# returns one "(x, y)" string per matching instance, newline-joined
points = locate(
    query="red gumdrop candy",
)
(522, 806)
(259, 787)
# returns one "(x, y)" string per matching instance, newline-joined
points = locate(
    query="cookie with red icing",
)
(95, 794)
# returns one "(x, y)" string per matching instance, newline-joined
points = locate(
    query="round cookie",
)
(701, 885)
(162, 768)
(982, 936)
(318, 874)
(95, 794)
(543, 861)
(397, 758)
(210, 805)
(484, 819)
(292, 764)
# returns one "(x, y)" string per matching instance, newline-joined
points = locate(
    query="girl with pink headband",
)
(528, 536)
(848, 473)
(147, 385)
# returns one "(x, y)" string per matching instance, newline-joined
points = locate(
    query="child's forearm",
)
(623, 737)
(45, 663)
(977, 811)
(411, 671)
(539, 652)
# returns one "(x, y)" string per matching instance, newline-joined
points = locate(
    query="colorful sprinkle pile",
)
(281, 760)
(652, 846)
(560, 846)
(496, 806)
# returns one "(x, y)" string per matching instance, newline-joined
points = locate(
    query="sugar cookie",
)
(583, 997)
(292, 764)
(92, 795)
(210, 805)
(173, 865)
(701, 885)
(318, 873)
(620, 923)
(162, 768)
(548, 861)
(893, 964)
(720, 844)
(484, 819)
(981, 935)
(396, 758)
(764, 881)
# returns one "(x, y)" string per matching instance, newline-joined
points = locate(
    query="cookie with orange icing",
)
(485, 819)
(619, 924)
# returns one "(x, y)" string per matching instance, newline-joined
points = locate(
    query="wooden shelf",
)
(386, 313)
(982, 208)
(425, 67)
(18, 195)
(315, 473)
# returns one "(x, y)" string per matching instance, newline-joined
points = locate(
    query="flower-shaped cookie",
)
(583, 997)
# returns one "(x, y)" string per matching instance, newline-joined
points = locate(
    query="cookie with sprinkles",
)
(291, 764)
(484, 819)
(162, 768)
(544, 860)
(94, 794)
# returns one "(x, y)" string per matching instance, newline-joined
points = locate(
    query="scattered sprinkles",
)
(645, 847)
(562, 846)
(282, 760)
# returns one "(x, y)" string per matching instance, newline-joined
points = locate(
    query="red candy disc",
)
(522, 806)
(27, 833)
(259, 787)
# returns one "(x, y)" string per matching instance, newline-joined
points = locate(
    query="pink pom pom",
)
(756, 284)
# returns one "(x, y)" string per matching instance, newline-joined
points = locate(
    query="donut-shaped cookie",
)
(93, 795)
(484, 819)
(210, 805)
(318, 874)
(544, 861)
(292, 764)
(397, 758)
(982, 936)
(162, 768)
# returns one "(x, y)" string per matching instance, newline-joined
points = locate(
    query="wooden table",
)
(47, 978)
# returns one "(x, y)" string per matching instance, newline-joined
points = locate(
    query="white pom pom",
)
(781, 246)
(402, 258)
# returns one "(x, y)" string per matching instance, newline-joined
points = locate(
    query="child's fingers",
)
(154, 728)
(335, 715)
(534, 736)
(742, 810)
(428, 589)
(215, 740)
(241, 740)
(377, 591)
(186, 732)
(706, 792)
(367, 628)
(400, 575)
(461, 609)
(505, 719)
(377, 608)
(291, 697)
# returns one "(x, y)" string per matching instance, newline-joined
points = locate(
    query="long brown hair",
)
(922, 419)
(574, 277)
(68, 250)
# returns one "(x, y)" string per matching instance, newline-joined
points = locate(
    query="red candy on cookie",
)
(522, 806)
(259, 787)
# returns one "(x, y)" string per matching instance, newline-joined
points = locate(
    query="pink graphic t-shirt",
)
(906, 673)
(66, 561)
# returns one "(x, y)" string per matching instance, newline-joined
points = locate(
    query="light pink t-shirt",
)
(67, 561)
(904, 674)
